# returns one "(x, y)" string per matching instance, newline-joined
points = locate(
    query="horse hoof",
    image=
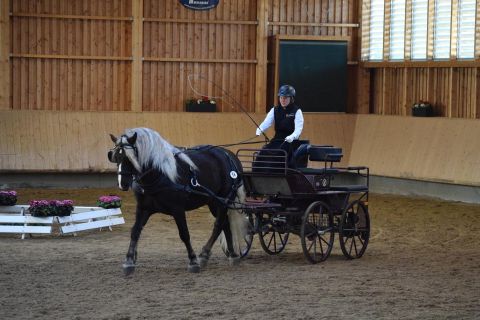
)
(128, 269)
(234, 261)
(203, 262)
(194, 268)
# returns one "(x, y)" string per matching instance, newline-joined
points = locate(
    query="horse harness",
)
(152, 181)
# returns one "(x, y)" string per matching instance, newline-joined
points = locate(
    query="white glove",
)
(289, 139)
(258, 132)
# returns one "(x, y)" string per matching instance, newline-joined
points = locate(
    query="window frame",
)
(407, 61)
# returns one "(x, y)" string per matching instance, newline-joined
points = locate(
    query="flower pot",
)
(426, 111)
(201, 107)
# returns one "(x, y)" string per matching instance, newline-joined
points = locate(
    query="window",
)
(466, 29)
(441, 31)
(397, 30)
(376, 27)
(420, 29)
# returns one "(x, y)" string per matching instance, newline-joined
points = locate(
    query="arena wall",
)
(430, 149)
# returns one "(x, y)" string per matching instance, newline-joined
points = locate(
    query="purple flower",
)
(43, 208)
(111, 201)
(8, 193)
(8, 198)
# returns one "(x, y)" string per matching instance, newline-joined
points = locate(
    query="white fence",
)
(15, 219)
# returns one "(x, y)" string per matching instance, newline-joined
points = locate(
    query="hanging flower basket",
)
(48, 208)
(109, 202)
(8, 198)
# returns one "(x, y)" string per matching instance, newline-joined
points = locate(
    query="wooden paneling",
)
(215, 48)
(143, 51)
(71, 55)
(5, 78)
(453, 92)
(79, 141)
(315, 18)
(431, 149)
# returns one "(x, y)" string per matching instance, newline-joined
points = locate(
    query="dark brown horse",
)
(172, 181)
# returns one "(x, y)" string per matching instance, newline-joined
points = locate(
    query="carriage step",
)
(351, 188)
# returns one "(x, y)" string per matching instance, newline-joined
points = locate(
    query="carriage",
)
(286, 196)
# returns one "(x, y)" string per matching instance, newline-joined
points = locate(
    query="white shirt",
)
(270, 120)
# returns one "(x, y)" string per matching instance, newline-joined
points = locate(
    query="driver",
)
(287, 118)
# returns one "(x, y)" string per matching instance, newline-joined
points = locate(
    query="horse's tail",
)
(238, 223)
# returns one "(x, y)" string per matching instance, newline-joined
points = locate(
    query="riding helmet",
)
(286, 91)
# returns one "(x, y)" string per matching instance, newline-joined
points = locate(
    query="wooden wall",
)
(79, 141)
(432, 149)
(71, 55)
(454, 92)
(137, 55)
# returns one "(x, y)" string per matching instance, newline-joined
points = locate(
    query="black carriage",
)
(285, 196)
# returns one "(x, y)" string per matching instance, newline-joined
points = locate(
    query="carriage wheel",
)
(317, 232)
(247, 240)
(273, 233)
(354, 230)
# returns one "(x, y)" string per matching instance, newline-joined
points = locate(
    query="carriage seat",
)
(325, 153)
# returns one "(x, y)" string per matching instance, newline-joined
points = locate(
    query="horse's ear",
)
(132, 139)
(114, 139)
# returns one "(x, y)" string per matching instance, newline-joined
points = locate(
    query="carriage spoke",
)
(311, 245)
(320, 244)
(326, 242)
(351, 246)
(360, 239)
(271, 239)
(355, 246)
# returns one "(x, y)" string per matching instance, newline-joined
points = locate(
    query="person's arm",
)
(267, 123)
(298, 127)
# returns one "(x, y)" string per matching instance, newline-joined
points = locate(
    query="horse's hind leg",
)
(233, 257)
(220, 214)
(140, 221)
(181, 222)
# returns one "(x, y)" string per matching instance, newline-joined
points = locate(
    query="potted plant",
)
(8, 198)
(422, 109)
(205, 104)
(48, 208)
(109, 202)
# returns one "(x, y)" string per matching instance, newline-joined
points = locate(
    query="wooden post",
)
(137, 53)
(5, 66)
(362, 104)
(261, 70)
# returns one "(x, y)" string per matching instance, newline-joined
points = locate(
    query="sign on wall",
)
(200, 4)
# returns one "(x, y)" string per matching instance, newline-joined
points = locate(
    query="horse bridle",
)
(117, 155)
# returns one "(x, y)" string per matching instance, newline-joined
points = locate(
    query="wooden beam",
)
(68, 57)
(313, 24)
(229, 22)
(195, 60)
(5, 65)
(68, 16)
(137, 53)
(261, 69)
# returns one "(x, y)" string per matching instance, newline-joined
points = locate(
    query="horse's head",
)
(124, 154)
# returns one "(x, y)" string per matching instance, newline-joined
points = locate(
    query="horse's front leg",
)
(140, 221)
(181, 222)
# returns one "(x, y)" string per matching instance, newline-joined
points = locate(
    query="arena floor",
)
(423, 262)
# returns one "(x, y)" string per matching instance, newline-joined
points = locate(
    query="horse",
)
(172, 180)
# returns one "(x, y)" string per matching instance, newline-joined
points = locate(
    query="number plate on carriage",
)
(321, 182)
